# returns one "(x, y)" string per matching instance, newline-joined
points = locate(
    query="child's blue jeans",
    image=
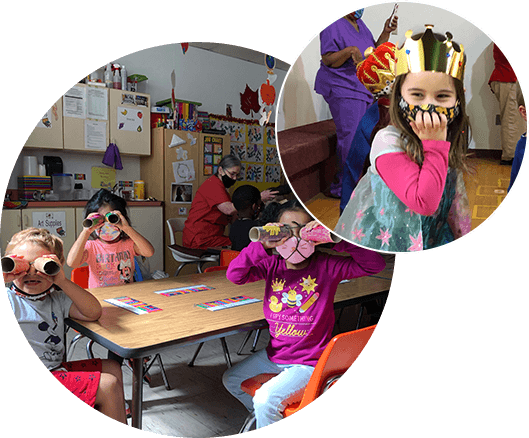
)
(271, 399)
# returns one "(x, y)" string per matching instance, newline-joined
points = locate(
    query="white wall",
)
(201, 76)
(301, 105)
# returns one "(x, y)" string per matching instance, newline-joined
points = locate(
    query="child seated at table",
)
(41, 303)
(247, 201)
(108, 248)
(298, 305)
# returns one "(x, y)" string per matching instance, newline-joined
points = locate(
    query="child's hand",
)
(8, 278)
(269, 245)
(58, 278)
(122, 224)
(430, 126)
(94, 227)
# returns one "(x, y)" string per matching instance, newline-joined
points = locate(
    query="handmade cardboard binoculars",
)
(45, 264)
(319, 234)
(274, 233)
(94, 220)
(270, 233)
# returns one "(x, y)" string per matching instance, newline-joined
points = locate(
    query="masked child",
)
(41, 303)
(298, 305)
(108, 248)
(413, 196)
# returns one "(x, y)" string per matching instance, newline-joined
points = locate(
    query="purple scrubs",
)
(346, 96)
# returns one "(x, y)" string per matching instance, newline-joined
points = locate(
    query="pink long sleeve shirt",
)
(298, 304)
(419, 187)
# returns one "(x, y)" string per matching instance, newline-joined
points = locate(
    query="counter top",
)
(51, 204)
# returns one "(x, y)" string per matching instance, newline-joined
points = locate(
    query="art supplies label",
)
(132, 305)
(183, 290)
(227, 303)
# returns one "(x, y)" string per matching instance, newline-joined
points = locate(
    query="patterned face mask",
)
(410, 111)
(108, 233)
(296, 250)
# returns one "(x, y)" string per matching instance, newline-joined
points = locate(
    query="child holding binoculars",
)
(107, 242)
(41, 298)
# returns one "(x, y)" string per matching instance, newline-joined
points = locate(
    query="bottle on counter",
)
(124, 78)
(117, 79)
(108, 76)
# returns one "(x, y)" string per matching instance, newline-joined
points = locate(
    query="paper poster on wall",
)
(103, 178)
(74, 103)
(53, 221)
(95, 135)
(46, 121)
(254, 153)
(273, 174)
(181, 193)
(254, 173)
(97, 103)
(184, 171)
(130, 119)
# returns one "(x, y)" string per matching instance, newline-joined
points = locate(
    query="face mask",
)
(358, 14)
(227, 181)
(108, 233)
(296, 250)
(410, 111)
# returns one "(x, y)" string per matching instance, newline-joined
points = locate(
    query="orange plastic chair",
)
(80, 276)
(216, 268)
(338, 356)
(227, 255)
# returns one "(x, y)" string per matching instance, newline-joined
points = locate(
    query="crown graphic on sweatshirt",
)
(427, 53)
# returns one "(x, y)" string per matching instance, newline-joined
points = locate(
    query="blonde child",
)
(413, 195)
(298, 305)
(107, 248)
(41, 303)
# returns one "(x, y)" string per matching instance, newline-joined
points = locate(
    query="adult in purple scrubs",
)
(342, 46)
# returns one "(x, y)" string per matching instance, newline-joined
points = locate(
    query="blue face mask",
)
(358, 14)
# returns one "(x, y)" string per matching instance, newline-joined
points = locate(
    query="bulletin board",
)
(255, 146)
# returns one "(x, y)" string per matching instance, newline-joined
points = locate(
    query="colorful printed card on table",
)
(132, 305)
(226, 303)
(183, 290)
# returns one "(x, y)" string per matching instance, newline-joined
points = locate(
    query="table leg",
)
(137, 391)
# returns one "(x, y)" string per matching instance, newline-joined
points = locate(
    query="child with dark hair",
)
(298, 306)
(247, 201)
(108, 248)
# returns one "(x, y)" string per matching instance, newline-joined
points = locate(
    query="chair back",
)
(227, 255)
(80, 276)
(335, 360)
(175, 225)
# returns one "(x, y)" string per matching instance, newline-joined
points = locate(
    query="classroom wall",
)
(201, 76)
(300, 105)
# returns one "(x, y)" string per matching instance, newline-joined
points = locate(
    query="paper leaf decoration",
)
(250, 101)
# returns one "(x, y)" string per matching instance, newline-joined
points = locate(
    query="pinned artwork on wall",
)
(250, 101)
(267, 92)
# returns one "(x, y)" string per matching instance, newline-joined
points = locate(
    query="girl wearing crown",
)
(413, 195)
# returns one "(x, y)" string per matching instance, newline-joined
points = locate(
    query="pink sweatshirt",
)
(299, 304)
(419, 187)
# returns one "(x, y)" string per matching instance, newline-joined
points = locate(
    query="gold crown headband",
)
(430, 54)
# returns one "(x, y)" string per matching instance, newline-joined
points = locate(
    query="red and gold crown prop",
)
(377, 70)
(430, 54)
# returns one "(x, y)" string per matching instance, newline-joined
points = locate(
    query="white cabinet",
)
(89, 117)
(48, 132)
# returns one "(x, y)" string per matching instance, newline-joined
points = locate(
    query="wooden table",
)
(181, 323)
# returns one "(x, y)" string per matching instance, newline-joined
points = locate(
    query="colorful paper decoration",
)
(267, 93)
